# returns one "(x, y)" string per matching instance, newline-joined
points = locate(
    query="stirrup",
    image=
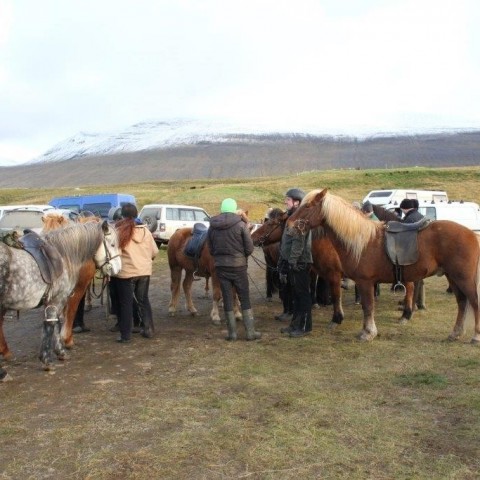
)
(399, 288)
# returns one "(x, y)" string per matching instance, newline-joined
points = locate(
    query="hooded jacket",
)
(229, 240)
(138, 254)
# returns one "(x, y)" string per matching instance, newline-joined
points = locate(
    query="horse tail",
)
(469, 316)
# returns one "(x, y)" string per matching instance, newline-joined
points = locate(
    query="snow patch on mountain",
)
(152, 135)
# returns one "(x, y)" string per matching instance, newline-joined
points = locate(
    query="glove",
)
(282, 267)
(283, 278)
(294, 267)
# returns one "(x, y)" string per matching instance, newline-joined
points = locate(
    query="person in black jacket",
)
(230, 244)
(409, 207)
(296, 260)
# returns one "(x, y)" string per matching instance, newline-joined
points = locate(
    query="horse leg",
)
(407, 303)
(367, 296)
(48, 332)
(207, 288)
(187, 290)
(57, 342)
(88, 298)
(335, 283)
(175, 278)
(217, 297)
(4, 350)
(459, 327)
(86, 273)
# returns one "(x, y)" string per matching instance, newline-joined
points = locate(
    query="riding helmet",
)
(407, 203)
(295, 194)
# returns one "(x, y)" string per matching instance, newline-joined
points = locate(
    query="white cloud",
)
(88, 65)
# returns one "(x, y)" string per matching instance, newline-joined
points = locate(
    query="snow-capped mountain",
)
(152, 135)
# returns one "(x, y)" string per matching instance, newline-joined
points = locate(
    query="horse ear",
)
(105, 226)
(320, 196)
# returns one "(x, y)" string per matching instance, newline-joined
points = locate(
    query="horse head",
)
(271, 229)
(309, 214)
(107, 258)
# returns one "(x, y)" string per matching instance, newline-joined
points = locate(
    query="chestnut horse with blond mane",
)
(444, 247)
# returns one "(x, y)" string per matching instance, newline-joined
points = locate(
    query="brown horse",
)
(444, 247)
(203, 267)
(326, 262)
(85, 276)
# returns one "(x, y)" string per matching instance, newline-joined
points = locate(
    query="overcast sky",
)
(97, 65)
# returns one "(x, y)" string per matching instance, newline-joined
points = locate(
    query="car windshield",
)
(21, 219)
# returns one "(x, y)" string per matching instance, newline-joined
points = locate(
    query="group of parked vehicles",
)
(164, 219)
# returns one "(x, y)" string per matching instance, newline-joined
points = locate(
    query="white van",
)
(465, 213)
(395, 196)
(164, 219)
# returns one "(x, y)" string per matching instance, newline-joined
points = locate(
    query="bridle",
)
(106, 266)
(265, 237)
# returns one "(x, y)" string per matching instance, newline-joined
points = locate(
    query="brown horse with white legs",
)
(443, 246)
(326, 262)
(204, 266)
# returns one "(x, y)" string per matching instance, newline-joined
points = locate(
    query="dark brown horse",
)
(444, 247)
(326, 262)
(203, 267)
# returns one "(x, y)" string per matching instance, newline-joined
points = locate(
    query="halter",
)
(108, 257)
(264, 238)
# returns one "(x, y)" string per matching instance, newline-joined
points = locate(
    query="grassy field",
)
(188, 405)
(256, 195)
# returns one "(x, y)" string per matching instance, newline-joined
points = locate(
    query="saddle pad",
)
(194, 246)
(47, 257)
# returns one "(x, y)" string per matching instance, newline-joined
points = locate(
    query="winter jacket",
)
(296, 248)
(413, 216)
(229, 240)
(138, 254)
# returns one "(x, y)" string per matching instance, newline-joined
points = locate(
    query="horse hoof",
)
(8, 357)
(171, 314)
(452, 338)
(403, 321)
(475, 341)
(217, 323)
(332, 326)
(5, 377)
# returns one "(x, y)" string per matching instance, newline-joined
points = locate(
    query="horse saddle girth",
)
(47, 256)
(401, 241)
(194, 246)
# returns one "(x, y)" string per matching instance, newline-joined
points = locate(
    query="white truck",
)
(395, 196)
(465, 213)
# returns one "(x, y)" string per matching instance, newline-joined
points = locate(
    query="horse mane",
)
(76, 242)
(52, 221)
(352, 228)
(275, 213)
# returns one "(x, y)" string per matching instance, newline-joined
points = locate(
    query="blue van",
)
(98, 204)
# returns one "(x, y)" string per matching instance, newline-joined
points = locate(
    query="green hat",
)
(229, 205)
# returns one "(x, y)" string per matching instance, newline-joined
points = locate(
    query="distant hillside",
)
(250, 156)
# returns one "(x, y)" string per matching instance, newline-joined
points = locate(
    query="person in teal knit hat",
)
(230, 244)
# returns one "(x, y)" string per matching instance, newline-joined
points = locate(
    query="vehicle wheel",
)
(150, 223)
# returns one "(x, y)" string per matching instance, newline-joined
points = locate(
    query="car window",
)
(100, 209)
(22, 219)
(173, 214)
(72, 207)
(430, 212)
(201, 216)
(186, 215)
(151, 212)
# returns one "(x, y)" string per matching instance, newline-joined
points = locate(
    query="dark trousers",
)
(286, 295)
(78, 321)
(234, 277)
(130, 291)
(302, 299)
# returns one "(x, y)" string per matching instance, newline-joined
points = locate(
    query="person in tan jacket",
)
(133, 281)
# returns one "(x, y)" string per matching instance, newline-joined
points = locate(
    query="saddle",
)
(48, 258)
(401, 241)
(193, 248)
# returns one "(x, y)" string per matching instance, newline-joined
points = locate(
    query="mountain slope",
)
(248, 155)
